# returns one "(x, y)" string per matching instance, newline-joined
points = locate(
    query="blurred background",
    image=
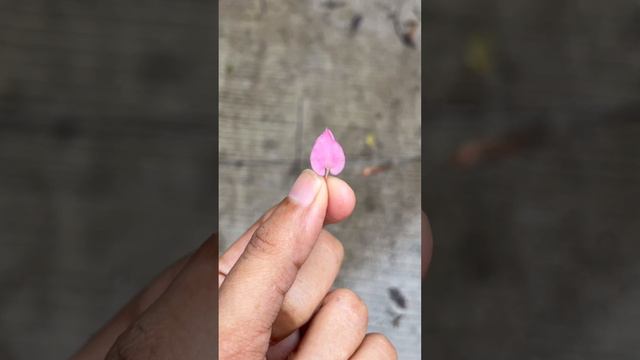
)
(107, 159)
(288, 69)
(531, 173)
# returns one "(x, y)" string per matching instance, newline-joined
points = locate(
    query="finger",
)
(342, 201)
(183, 319)
(252, 294)
(229, 258)
(282, 349)
(427, 244)
(337, 330)
(313, 282)
(100, 343)
(375, 347)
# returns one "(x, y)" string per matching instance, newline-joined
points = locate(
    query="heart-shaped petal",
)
(327, 154)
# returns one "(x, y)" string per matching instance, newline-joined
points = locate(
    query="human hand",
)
(273, 295)
(275, 279)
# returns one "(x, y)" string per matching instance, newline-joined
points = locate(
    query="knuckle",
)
(351, 302)
(382, 345)
(262, 242)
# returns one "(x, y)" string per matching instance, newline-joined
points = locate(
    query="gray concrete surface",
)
(535, 247)
(288, 69)
(107, 159)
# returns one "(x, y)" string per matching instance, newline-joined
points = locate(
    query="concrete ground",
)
(289, 69)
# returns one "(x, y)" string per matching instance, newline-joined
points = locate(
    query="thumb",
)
(252, 294)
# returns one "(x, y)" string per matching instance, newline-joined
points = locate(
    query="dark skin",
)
(274, 281)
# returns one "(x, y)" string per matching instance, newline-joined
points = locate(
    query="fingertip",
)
(342, 200)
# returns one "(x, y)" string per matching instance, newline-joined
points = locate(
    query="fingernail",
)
(305, 188)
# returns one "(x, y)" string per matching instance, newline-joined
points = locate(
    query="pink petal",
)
(327, 154)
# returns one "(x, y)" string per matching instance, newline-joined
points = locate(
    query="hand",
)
(273, 295)
(275, 280)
